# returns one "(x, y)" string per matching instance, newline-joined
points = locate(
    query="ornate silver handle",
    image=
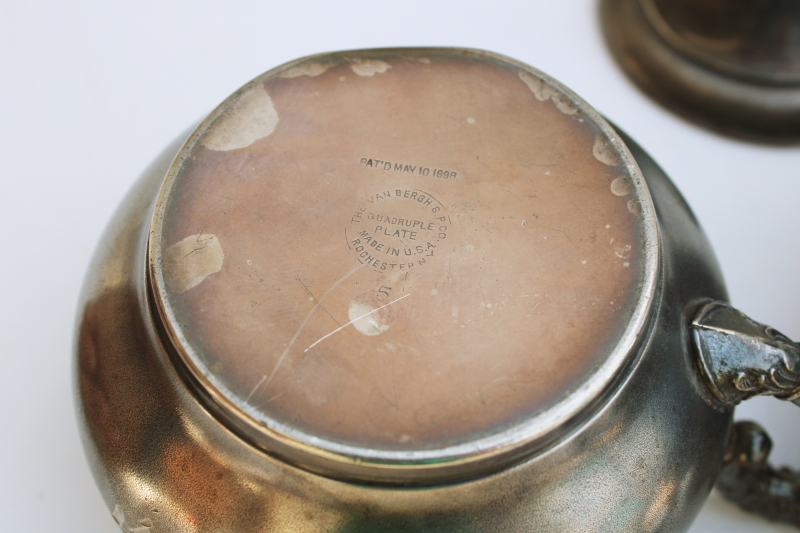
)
(749, 481)
(741, 358)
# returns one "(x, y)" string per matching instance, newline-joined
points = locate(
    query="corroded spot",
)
(190, 261)
(563, 104)
(370, 67)
(306, 69)
(250, 118)
(540, 89)
(623, 251)
(543, 91)
(369, 315)
(118, 514)
(604, 152)
(622, 186)
(634, 207)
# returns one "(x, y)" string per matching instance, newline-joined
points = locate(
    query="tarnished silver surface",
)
(644, 462)
(742, 358)
(755, 40)
(750, 482)
(733, 66)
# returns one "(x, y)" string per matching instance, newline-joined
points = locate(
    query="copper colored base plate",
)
(405, 257)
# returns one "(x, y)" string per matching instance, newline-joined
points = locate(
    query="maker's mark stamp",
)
(397, 229)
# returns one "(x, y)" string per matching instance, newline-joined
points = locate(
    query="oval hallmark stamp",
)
(397, 229)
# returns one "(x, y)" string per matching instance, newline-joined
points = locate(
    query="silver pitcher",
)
(414, 290)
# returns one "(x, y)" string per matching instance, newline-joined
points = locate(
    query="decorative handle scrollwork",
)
(741, 358)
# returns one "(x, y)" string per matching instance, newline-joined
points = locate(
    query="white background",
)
(91, 91)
